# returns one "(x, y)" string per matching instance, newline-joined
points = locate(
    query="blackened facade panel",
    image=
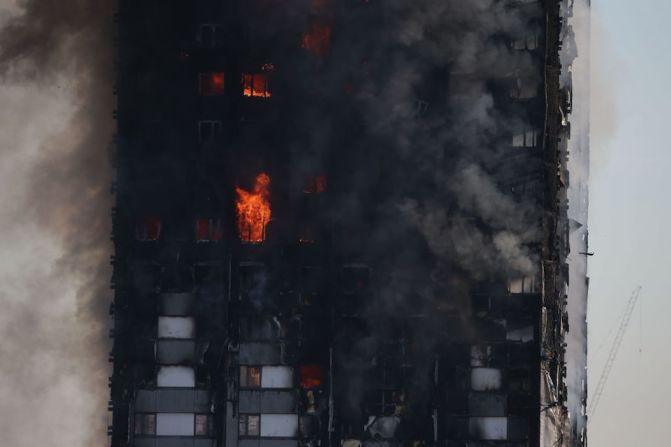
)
(340, 220)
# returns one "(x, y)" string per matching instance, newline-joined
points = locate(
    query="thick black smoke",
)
(57, 68)
(413, 122)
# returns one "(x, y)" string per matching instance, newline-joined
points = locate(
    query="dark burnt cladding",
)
(338, 223)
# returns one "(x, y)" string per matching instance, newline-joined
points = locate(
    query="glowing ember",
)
(253, 209)
(318, 38)
(255, 85)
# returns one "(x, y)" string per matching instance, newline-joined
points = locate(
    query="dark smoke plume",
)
(412, 125)
(56, 67)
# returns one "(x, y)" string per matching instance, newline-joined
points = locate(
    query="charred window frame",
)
(209, 131)
(481, 355)
(249, 425)
(144, 424)
(204, 425)
(148, 228)
(524, 88)
(518, 380)
(208, 230)
(252, 280)
(210, 35)
(312, 284)
(420, 108)
(211, 83)
(527, 137)
(529, 42)
(256, 85)
(250, 376)
(356, 278)
(524, 284)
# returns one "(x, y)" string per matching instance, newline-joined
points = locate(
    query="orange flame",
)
(254, 210)
(255, 85)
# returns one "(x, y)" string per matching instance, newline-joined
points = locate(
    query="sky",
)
(629, 218)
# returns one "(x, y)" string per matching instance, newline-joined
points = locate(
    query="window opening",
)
(211, 84)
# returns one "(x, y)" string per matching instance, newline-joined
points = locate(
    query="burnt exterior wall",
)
(408, 287)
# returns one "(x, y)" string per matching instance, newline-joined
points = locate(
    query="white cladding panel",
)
(176, 327)
(485, 379)
(276, 377)
(279, 425)
(176, 376)
(489, 429)
(175, 424)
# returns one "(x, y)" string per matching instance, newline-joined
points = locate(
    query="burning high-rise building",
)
(340, 223)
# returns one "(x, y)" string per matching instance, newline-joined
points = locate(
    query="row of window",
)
(254, 85)
(354, 279)
(310, 376)
(173, 424)
(149, 228)
(268, 425)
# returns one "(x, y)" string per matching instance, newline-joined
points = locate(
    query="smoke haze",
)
(55, 128)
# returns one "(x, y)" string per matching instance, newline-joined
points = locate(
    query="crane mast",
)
(598, 392)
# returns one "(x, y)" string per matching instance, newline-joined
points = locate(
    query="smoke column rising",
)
(55, 128)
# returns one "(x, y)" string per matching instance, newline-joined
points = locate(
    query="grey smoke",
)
(55, 130)
(444, 219)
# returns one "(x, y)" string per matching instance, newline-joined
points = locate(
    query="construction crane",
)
(628, 311)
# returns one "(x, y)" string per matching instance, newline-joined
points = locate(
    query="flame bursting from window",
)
(311, 376)
(253, 209)
(255, 85)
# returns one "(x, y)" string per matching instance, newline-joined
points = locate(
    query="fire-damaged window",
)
(524, 284)
(267, 377)
(204, 425)
(253, 281)
(529, 188)
(268, 425)
(480, 355)
(317, 38)
(420, 108)
(518, 380)
(388, 402)
(311, 376)
(526, 138)
(315, 184)
(256, 85)
(210, 35)
(524, 88)
(148, 228)
(145, 424)
(253, 210)
(208, 230)
(529, 42)
(249, 425)
(356, 278)
(211, 84)
(209, 131)
(250, 377)
(312, 283)
(307, 233)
